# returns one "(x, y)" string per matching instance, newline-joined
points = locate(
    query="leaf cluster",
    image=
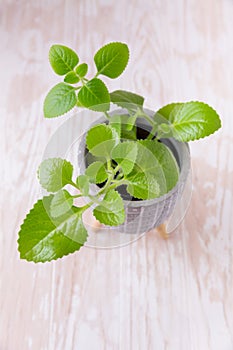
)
(145, 167)
(76, 89)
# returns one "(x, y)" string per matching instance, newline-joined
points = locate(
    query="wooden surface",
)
(154, 294)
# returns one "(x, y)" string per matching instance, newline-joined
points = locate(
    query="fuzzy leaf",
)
(101, 139)
(191, 120)
(160, 153)
(44, 239)
(61, 203)
(60, 99)
(126, 99)
(112, 59)
(62, 59)
(83, 184)
(71, 78)
(96, 172)
(81, 70)
(111, 211)
(125, 155)
(115, 123)
(95, 96)
(55, 173)
(131, 122)
(120, 123)
(143, 185)
(158, 166)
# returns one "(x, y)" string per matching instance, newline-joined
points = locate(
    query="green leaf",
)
(71, 78)
(61, 203)
(125, 155)
(157, 163)
(126, 99)
(191, 120)
(44, 239)
(83, 184)
(111, 210)
(101, 139)
(62, 59)
(60, 99)
(81, 70)
(115, 123)
(166, 161)
(95, 96)
(96, 172)
(131, 122)
(89, 159)
(143, 185)
(112, 59)
(55, 173)
(120, 123)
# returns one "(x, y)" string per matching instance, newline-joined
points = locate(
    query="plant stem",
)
(72, 183)
(94, 200)
(141, 113)
(107, 115)
(85, 207)
(77, 196)
(152, 133)
(117, 183)
(82, 80)
(103, 189)
(117, 168)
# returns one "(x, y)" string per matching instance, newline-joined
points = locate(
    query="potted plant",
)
(134, 162)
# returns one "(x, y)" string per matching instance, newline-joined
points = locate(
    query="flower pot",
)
(144, 215)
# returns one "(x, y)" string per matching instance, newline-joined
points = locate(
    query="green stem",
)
(117, 183)
(141, 113)
(110, 169)
(119, 176)
(82, 80)
(103, 189)
(77, 87)
(107, 115)
(72, 183)
(77, 196)
(94, 200)
(117, 168)
(85, 207)
(152, 133)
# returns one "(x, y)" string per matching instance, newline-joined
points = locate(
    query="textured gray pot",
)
(143, 215)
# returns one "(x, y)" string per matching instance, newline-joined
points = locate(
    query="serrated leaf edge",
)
(18, 240)
(49, 57)
(195, 101)
(114, 42)
(59, 115)
(91, 92)
(48, 159)
(98, 161)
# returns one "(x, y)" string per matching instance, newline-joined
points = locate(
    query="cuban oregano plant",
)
(118, 157)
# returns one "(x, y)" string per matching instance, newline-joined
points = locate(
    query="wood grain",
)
(153, 294)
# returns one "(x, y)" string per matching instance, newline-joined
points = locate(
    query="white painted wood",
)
(154, 294)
